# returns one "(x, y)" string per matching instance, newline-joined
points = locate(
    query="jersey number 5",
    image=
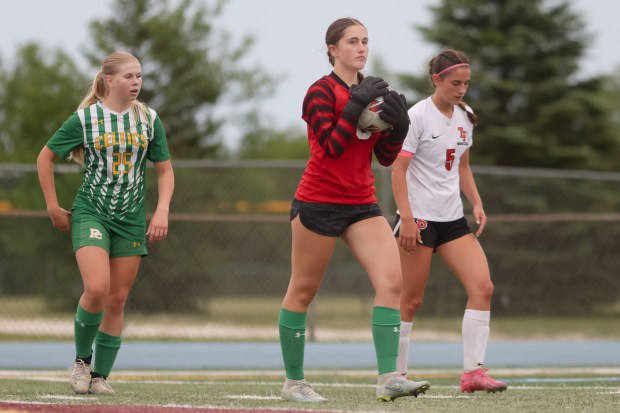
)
(121, 163)
(450, 158)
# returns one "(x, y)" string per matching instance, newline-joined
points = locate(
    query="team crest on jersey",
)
(462, 136)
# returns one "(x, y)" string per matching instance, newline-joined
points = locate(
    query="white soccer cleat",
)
(80, 377)
(393, 385)
(300, 391)
(99, 385)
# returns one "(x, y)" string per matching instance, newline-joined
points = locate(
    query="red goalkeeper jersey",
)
(339, 169)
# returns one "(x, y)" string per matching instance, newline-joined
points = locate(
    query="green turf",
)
(529, 391)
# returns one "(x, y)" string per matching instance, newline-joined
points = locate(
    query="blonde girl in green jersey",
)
(111, 135)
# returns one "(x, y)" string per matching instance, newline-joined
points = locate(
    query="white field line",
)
(251, 397)
(443, 396)
(61, 397)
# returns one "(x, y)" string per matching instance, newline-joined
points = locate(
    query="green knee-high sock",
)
(386, 334)
(292, 328)
(106, 349)
(85, 326)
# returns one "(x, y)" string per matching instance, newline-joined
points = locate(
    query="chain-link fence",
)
(222, 272)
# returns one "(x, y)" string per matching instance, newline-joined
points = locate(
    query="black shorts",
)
(435, 233)
(331, 219)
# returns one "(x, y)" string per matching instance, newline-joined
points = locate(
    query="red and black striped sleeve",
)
(388, 146)
(333, 133)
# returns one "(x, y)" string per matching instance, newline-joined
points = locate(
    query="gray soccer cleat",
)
(300, 391)
(393, 385)
(80, 377)
(99, 385)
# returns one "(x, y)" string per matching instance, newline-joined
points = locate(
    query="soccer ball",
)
(369, 121)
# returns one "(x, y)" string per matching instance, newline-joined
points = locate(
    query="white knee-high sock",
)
(475, 338)
(403, 346)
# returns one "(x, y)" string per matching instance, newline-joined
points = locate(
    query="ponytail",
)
(138, 109)
(96, 93)
(470, 113)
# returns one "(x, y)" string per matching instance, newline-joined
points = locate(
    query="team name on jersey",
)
(462, 137)
(121, 138)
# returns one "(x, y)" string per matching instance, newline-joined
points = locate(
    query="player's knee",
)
(115, 306)
(488, 289)
(390, 287)
(304, 296)
(96, 293)
(409, 305)
(485, 290)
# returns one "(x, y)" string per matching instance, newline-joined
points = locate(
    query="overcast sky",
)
(290, 36)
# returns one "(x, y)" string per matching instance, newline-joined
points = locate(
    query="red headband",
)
(452, 67)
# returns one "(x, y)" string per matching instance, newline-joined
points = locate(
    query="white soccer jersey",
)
(437, 143)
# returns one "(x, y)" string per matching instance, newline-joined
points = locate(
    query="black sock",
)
(86, 360)
(94, 375)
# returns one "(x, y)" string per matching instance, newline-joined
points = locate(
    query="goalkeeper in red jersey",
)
(336, 198)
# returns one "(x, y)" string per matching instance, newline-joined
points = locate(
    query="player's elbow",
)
(45, 157)
(386, 160)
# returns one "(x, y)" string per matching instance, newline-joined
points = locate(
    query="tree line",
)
(534, 108)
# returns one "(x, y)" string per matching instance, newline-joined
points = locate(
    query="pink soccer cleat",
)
(479, 380)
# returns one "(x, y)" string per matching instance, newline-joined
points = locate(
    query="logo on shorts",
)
(136, 244)
(422, 224)
(95, 233)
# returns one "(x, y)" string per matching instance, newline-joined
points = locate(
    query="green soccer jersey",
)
(116, 147)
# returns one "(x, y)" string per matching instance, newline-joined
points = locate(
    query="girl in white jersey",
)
(112, 135)
(427, 179)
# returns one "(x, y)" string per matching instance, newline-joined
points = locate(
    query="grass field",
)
(530, 390)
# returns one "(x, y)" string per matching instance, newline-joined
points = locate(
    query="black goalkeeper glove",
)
(395, 111)
(370, 88)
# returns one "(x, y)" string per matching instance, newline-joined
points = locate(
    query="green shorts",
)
(95, 233)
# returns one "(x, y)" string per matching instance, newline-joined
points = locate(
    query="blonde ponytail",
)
(96, 93)
(140, 108)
